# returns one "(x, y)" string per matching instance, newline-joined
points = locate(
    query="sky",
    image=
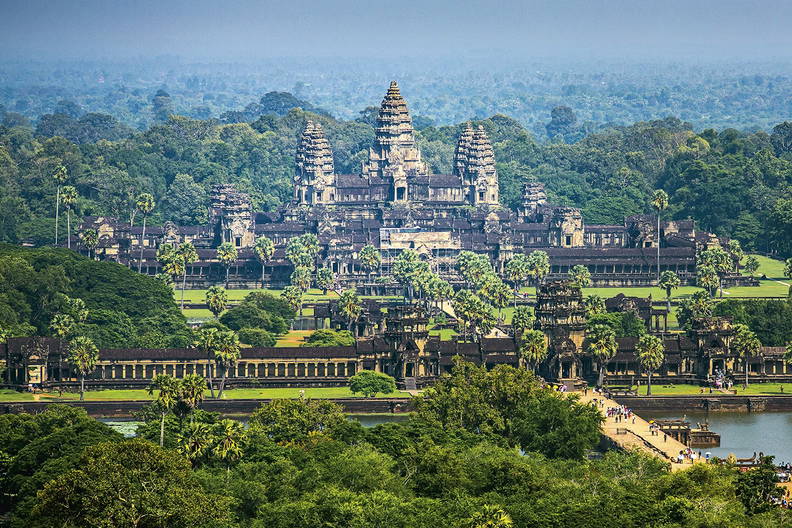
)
(248, 29)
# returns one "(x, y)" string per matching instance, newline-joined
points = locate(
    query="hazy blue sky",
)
(245, 29)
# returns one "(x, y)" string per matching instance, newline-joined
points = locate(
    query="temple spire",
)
(314, 176)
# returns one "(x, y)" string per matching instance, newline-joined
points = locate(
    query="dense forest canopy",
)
(733, 183)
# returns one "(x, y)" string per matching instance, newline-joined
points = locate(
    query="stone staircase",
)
(409, 384)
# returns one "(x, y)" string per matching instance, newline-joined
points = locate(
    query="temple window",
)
(238, 241)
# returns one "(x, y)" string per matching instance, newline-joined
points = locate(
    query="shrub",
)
(257, 337)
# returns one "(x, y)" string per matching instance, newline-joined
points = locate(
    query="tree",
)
(68, 199)
(82, 356)
(788, 353)
(650, 352)
(490, 517)
(171, 261)
(659, 204)
(264, 250)
(227, 352)
(350, 307)
(518, 269)
(370, 259)
(191, 392)
(229, 436)
(538, 267)
(737, 253)
(533, 348)
(697, 306)
(293, 296)
(325, 279)
(720, 263)
(751, 265)
(206, 341)
(369, 383)
(294, 420)
(195, 441)
(522, 320)
(747, 345)
(405, 269)
(669, 281)
(301, 278)
(707, 278)
(187, 253)
(601, 343)
(59, 176)
(580, 276)
(216, 300)
(788, 268)
(594, 305)
(62, 325)
(758, 488)
(227, 255)
(324, 337)
(167, 389)
(90, 239)
(130, 484)
(144, 204)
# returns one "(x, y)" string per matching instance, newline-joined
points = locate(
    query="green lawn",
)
(324, 392)
(773, 268)
(753, 388)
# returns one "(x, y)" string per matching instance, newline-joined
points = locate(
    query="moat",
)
(742, 433)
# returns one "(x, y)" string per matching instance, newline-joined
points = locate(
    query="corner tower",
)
(474, 163)
(314, 181)
(394, 155)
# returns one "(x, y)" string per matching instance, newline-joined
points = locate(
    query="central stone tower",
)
(394, 155)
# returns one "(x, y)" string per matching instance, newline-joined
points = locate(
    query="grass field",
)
(325, 392)
(753, 388)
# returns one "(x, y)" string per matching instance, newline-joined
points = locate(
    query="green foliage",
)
(370, 383)
(257, 337)
(756, 488)
(260, 310)
(326, 337)
(623, 324)
(296, 420)
(770, 320)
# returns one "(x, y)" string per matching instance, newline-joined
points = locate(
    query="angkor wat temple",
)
(394, 203)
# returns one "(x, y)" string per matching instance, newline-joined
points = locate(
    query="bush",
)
(329, 338)
(369, 383)
(257, 337)
(248, 315)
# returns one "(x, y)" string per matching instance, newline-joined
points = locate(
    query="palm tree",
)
(707, 278)
(720, 263)
(90, 239)
(371, 260)
(594, 305)
(669, 281)
(659, 204)
(167, 389)
(144, 204)
(188, 255)
(747, 345)
(301, 277)
(227, 352)
(490, 517)
(205, 341)
(518, 269)
(522, 320)
(293, 296)
(195, 441)
(538, 267)
(601, 343)
(171, 261)
(787, 352)
(62, 325)
(324, 279)
(349, 304)
(533, 348)
(580, 276)
(191, 391)
(82, 356)
(216, 300)
(229, 435)
(650, 352)
(59, 176)
(264, 250)
(737, 253)
(68, 199)
(227, 255)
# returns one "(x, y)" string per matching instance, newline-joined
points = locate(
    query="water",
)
(742, 433)
(128, 427)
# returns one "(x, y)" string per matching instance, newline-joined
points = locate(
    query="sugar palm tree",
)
(580, 276)
(601, 343)
(301, 277)
(229, 436)
(747, 345)
(349, 304)
(187, 253)
(90, 239)
(737, 253)
(62, 325)
(669, 281)
(522, 320)
(167, 390)
(264, 250)
(538, 267)
(82, 356)
(144, 204)
(195, 441)
(787, 352)
(659, 204)
(216, 300)
(751, 265)
(650, 352)
(324, 279)
(370, 259)
(227, 352)
(490, 517)
(68, 199)
(518, 269)
(59, 176)
(227, 255)
(205, 341)
(293, 296)
(191, 391)
(533, 348)
(707, 278)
